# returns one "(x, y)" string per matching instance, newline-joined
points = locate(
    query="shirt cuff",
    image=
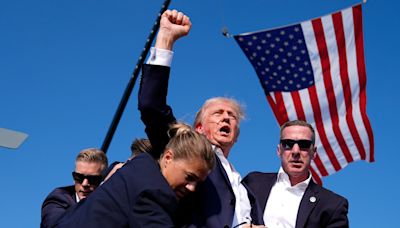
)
(160, 57)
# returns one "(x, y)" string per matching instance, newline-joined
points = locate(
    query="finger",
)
(179, 18)
(174, 15)
(186, 21)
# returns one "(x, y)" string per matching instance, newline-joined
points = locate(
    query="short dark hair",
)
(298, 123)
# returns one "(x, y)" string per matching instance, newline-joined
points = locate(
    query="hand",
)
(114, 169)
(253, 226)
(173, 25)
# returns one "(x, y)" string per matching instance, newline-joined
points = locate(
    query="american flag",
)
(315, 71)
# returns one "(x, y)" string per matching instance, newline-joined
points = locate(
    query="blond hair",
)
(93, 155)
(186, 143)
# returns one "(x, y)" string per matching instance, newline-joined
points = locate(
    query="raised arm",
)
(155, 113)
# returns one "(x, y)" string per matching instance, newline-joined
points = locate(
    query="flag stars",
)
(277, 39)
(263, 41)
(272, 45)
(271, 63)
(279, 67)
(308, 72)
(282, 32)
(249, 43)
(280, 49)
(259, 47)
(284, 60)
(268, 35)
(254, 37)
(296, 29)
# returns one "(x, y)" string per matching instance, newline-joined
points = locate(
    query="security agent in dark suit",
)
(221, 201)
(290, 198)
(89, 165)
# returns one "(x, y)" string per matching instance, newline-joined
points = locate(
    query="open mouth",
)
(225, 130)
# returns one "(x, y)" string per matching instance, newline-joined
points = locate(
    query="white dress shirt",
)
(242, 206)
(283, 202)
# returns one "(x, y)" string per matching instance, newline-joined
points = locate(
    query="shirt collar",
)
(283, 177)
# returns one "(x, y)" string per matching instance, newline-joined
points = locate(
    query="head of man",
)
(219, 120)
(139, 146)
(89, 166)
(296, 149)
(187, 159)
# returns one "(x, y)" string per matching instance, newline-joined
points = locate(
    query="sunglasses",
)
(288, 144)
(92, 179)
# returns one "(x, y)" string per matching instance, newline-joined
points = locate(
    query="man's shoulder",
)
(259, 176)
(327, 194)
(65, 193)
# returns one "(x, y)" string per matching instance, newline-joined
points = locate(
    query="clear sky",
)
(65, 64)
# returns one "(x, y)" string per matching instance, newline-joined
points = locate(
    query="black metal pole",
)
(131, 84)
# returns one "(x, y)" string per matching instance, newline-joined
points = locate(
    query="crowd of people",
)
(181, 176)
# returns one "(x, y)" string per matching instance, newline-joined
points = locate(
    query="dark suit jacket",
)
(328, 210)
(213, 203)
(55, 205)
(136, 196)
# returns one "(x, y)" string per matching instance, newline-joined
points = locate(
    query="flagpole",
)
(131, 84)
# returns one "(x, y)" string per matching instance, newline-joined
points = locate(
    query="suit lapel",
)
(307, 204)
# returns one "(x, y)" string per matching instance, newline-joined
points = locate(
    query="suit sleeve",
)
(52, 210)
(155, 113)
(339, 217)
(153, 209)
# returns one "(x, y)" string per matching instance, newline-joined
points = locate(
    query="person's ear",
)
(168, 156)
(199, 128)
(279, 151)
(313, 152)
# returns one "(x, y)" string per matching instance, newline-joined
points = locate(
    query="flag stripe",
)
(327, 47)
(357, 17)
(341, 44)
(320, 128)
(298, 106)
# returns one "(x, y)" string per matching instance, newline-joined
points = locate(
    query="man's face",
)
(83, 187)
(220, 124)
(296, 156)
(183, 175)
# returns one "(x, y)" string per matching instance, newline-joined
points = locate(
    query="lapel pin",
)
(313, 199)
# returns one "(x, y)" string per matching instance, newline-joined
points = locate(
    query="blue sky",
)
(65, 64)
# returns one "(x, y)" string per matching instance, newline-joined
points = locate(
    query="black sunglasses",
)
(92, 179)
(288, 144)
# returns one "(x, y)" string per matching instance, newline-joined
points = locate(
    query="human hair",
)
(186, 143)
(298, 123)
(93, 155)
(237, 107)
(140, 146)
